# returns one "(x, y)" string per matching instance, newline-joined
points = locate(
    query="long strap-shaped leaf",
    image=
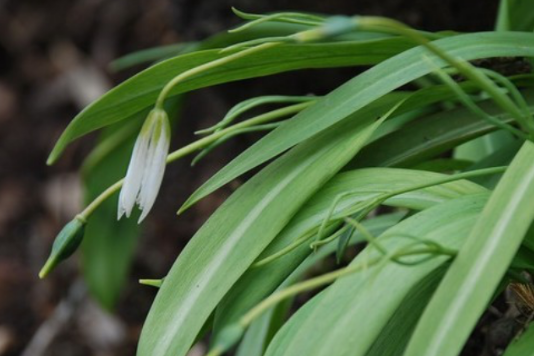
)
(430, 136)
(356, 308)
(257, 283)
(141, 91)
(481, 263)
(360, 91)
(259, 334)
(236, 234)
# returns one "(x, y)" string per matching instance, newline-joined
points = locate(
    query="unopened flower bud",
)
(65, 244)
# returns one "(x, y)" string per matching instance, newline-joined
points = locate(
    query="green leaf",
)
(394, 337)
(291, 327)
(481, 263)
(430, 136)
(141, 91)
(363, 303)
(516, 15)
(260, 332)
(483, 146)
(258, 282)
(237, 232)
(522, 346)
(362, 90)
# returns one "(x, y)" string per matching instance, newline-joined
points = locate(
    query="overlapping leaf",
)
(141, 91)
(258, 282)
(237, 233)
(362, 304)
(476, 272)
(362, 90)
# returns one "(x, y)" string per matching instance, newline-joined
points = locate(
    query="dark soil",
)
(51, 52)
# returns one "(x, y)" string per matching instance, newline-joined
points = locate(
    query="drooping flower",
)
(147, 165)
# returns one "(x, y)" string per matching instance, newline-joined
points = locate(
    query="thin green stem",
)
(246, 105)
(89, 209)
(368, 205)
(222, 140)
(448, 179)
(385, 25)
(373, 241)
(316, 244)
(287, 16)
(285, 250)
(375, 201)
(207, 66)
(295, 18)
(319, 281)
(512, 89)
(471, 105)
(260, 119)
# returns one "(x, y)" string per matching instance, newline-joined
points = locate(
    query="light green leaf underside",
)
(362, 90)
(357, 304)
(237, 232)
(476, 272)
(257, 283)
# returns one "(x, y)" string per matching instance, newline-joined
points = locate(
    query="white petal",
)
(134, 175)
(155, 170)
(146, 172)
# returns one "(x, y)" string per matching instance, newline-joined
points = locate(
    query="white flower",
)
(147, 165)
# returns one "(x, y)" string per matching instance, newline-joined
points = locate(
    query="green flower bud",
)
(65, 244)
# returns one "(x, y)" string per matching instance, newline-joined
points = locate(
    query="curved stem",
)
(207, 66)
(385, 25)
(89, 209)
(285, 250)
(320, 281)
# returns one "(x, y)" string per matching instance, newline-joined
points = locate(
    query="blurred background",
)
(54, 60)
